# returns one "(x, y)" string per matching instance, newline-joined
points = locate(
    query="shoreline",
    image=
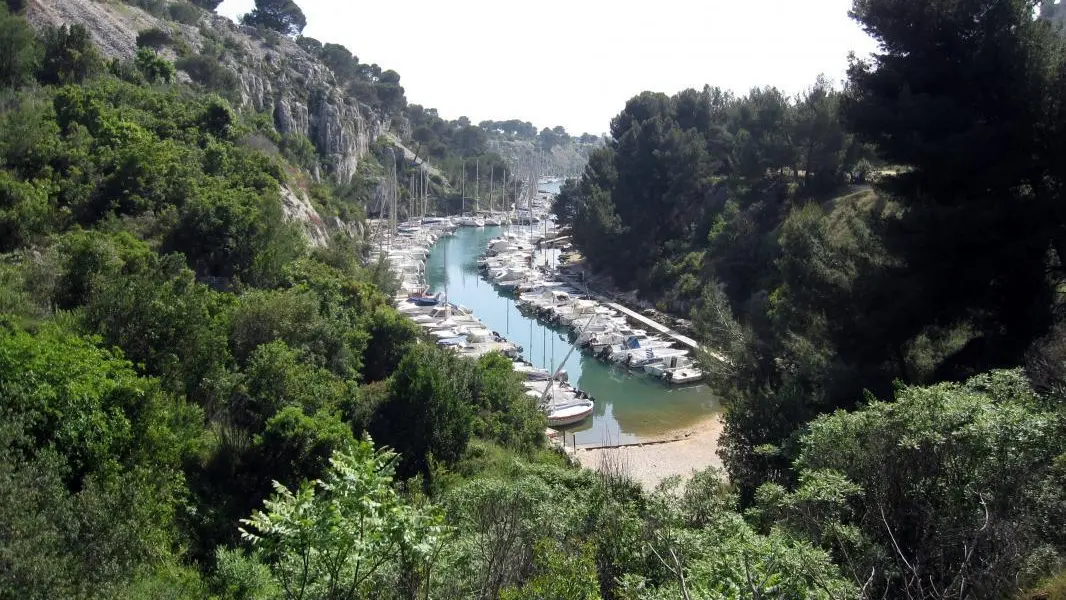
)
(602, 287)
(679, 452)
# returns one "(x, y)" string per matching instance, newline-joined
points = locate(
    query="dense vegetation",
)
(821, 291)
(195, 404)
(214, 59)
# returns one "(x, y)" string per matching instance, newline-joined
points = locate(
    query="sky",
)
(575, 62)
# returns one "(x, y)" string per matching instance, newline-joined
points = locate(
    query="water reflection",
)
(629, 407)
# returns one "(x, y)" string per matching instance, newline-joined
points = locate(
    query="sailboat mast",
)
(477, 184)
(559, 369)
(464, 189)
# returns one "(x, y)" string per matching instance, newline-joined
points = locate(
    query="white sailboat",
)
(565, 409)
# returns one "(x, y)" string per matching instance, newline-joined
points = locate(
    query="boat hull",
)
(570, 414)
(683, 376)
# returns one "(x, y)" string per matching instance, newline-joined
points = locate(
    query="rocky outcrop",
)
(567, 159)
(275, 75)
(298, 208)
(301, 93)
(113, 30)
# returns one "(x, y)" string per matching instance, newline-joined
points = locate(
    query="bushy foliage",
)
(20, 53)
(90, 458)
(169, 347)
(208, 72)
(69, 55)
(154, 37)
(340, 536)
(299, 150)
(429, 413)
(283, 16)
(438, 401)
(154, 67)
(682, 158)
(966, 467)
(185, 12)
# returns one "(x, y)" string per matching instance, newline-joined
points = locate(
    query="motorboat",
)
(661, 368)
(637, 359)
(581, 310)
(602, 329)
(545, 300)
(682, 376)
(538, 286)
(426, 299)
(509, 274)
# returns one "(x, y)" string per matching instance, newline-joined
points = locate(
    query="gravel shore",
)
(681, 452)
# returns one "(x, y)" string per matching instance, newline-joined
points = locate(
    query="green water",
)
(629, 408)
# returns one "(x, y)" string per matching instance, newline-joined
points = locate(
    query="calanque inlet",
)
(270, 329)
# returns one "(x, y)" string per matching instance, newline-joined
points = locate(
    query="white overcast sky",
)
(576, 62)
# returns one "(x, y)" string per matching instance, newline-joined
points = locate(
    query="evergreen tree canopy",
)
(283, 16)
(968, 96)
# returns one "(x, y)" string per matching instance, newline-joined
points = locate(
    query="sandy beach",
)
(680, 452)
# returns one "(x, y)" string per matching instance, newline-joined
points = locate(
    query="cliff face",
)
(275, 76)
(567, 159)
(303, 98)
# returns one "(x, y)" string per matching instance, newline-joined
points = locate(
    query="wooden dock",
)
(691, 343)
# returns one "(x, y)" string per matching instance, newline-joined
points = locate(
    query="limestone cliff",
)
(274, 76)
(567, 159)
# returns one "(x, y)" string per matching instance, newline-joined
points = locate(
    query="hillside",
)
(339, 121)
(265, 73)
(565, 159)
(259, 73)
(207, 391)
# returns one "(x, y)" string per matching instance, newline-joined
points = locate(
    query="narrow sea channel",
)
(629, 407)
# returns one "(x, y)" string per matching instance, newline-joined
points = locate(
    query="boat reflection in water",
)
(628, 407)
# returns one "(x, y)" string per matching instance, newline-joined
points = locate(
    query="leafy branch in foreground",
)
(337, 537)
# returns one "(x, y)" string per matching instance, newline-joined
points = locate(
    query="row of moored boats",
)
(510, 262)
(454, 326)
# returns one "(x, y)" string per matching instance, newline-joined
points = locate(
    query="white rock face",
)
(298, 208)
(278, 77)
(300, 92)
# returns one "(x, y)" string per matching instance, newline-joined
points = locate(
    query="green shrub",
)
(154, 67)
(299, 150)
(69, 56)
(184, 13)
(209, 73)
(154, 38)
(20, 53)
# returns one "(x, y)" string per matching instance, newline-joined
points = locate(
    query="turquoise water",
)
(629, 408)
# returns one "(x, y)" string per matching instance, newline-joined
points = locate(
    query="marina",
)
(446, 268)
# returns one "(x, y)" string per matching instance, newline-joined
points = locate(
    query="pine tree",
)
(283, 16)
